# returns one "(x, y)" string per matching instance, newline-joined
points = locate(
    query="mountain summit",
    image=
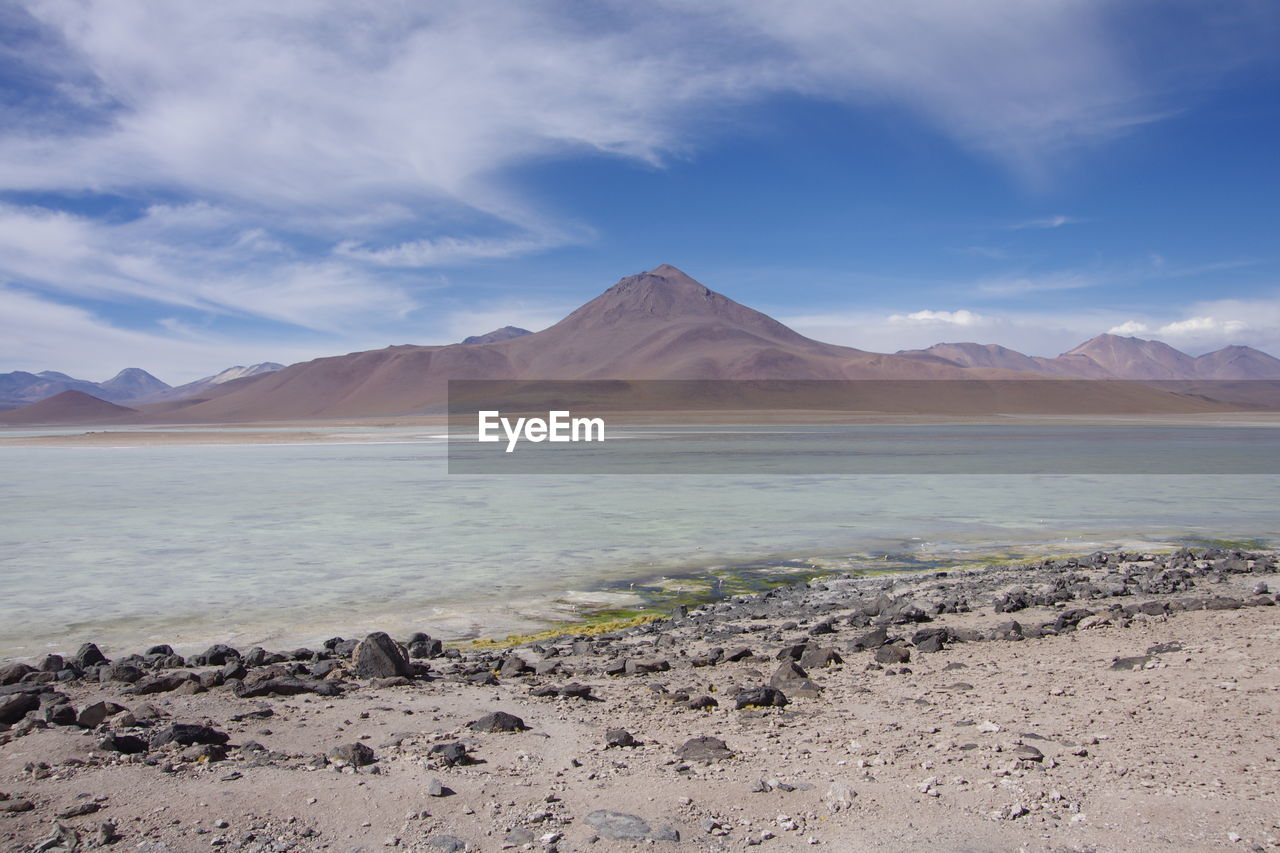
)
(662, 324)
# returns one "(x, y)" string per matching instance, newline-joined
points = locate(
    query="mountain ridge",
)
(1109, 356)
(657, 324)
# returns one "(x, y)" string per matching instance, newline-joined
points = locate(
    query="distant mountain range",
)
(659, 324)
(1113, 357)
(130, 386)
(506, 333)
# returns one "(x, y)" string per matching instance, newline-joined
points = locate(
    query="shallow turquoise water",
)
(288, 544)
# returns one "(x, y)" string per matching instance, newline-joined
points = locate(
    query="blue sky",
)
(188, 186)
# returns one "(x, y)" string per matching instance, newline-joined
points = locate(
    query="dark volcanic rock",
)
(644, 667)
(124, 744)
(620, 738)
(893, 654)
(126, 672)
(14, 708)
(451, 754)
(379, 656)
(188, 734)
(498, 721)
(569, 691)
(871, 640)
(215, 655)
(929, 639)
(91, 716)
(157, 684)
(706, 749)
(89, 655)
(14, 672)
(618, 826)
(253, 688)
(354, 754)
(420, 649)
(792, 678)
(760, 697)
(1007, 631)
(815, 657)
(513, 666)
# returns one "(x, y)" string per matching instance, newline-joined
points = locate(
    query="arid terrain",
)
(1116, 702)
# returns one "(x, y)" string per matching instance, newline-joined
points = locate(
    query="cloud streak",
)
(294, 161)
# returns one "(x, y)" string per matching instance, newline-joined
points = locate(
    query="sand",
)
(1179, 753)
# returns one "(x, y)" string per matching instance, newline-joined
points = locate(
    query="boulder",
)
(760, 697)
(379, 656)
(619, 826)
(706, 749)
(498, 721)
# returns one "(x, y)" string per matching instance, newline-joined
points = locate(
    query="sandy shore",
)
(1121, 705)
(394, 428)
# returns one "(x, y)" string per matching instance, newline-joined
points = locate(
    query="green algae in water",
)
(1254, 544)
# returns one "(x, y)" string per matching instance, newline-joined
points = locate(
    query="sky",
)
(188, 186)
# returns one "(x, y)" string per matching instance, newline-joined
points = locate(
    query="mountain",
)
(130, 385)
(68, 407)
(982, 355)
(203, 386)
(662, 324)
(506, 333)
(1127, 358)
(1113, 357)
(1237, 362)
(659, 324)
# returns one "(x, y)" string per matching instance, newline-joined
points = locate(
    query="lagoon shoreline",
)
(1114, 701)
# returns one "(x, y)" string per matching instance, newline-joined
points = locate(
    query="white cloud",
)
(315, 149)
(1200, 328)
(40, 334)
(1211, 325)
(963, 317)
(191, 257)
(1130, 328)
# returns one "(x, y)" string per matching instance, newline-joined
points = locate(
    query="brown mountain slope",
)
(659, 324)
(1113, 357)
(1237, 362)
(1127, 358)
(69, 407)
(986, 355)
(656, 325)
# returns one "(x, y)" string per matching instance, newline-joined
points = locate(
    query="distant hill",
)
(68, 407)
(662, 324)
(1114, 357)
(659, 324)
(131, 385)
(203, 386)
(506, 333)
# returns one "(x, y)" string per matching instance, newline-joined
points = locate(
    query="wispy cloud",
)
(963, 317)
(312, 153)
(1195, 328)
(1046, 222)
(1014, 285)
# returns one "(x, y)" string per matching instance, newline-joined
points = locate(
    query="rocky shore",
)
(1115, 701)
